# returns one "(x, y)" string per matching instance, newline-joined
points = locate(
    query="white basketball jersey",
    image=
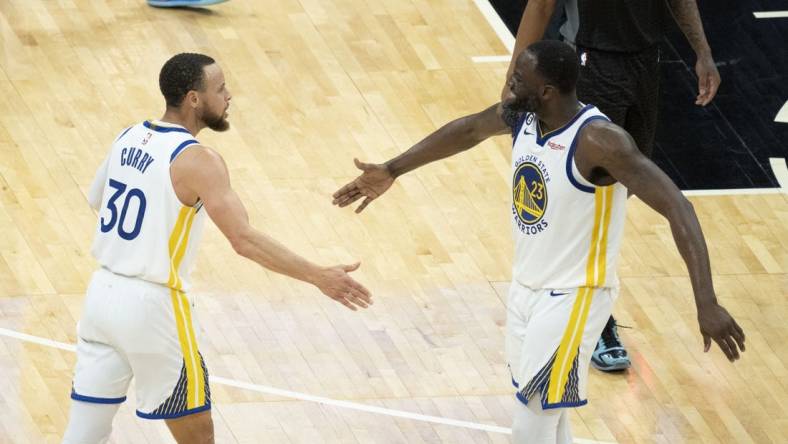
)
(567, 231)
(144, 231)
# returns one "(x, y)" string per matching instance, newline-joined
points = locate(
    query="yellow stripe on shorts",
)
(195, 377)
(595, 276)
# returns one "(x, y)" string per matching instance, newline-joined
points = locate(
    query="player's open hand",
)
(336, 283)
(708, 80)
(715, 323)
(373, 182)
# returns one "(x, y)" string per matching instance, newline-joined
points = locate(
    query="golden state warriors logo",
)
(529, 195)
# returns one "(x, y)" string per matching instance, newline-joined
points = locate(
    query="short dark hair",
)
(557, 63)
(182, 73)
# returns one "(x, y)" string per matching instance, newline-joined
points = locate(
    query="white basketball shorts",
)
(131, 327)
(550, 336)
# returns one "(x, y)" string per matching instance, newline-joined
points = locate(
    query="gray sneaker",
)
(610, 354)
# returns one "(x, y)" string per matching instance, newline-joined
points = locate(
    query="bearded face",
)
(214, 99)
(216, 121)
(526, 103)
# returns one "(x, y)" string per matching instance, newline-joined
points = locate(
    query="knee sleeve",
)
(564, 428)
(89, 423)
(533, 425)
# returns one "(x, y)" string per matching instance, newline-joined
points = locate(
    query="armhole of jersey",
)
(175, 153)
(185, 144)
(572, 172)
(123, 133)
(516, 129)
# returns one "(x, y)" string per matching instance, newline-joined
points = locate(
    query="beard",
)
(216, 122)
(514, 108)
(518, 105)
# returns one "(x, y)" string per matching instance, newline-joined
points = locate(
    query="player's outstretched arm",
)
(450, 139)
(200, 172)
(608, 148)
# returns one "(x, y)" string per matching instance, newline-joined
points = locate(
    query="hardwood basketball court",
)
(316, 83)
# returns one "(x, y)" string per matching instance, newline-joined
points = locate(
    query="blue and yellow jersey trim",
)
(542, 138)
(164, 129)
(571, 156)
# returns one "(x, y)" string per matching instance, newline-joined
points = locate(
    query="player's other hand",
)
(708, 79)
(715, 323)
(374, 180)
(336, 283)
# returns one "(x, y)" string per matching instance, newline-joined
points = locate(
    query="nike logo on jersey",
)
(526, 132)
(558, 293)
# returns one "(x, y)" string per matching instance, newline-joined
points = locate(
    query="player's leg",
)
(599, 317)
(172, 380)
(101, 379)
(187, 406)
(537, 323)
(534, 425)
(196, 428)
(557, 344)
(564, 428)
(89, 423)
(102, 374)
(530, 423)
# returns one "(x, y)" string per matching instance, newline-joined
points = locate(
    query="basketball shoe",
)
(610, 354)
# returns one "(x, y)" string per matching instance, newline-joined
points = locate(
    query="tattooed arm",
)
(606, 153)
(685, 12)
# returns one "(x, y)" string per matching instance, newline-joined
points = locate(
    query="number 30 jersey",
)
(144, 230)
(567, 231)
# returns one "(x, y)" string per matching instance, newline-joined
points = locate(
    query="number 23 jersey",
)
(144, 230)
(567, 231)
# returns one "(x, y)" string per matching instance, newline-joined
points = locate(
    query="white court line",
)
(782, 115)
(491, 59)
(305, 397)
(500, 29)
(780, 171)
(732, 192)
(356, 406)
(770, 14)
(497, 24)
(38, 340)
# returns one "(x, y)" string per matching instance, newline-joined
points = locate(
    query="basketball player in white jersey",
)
(153, 192)
(571, 168)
